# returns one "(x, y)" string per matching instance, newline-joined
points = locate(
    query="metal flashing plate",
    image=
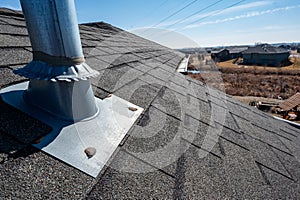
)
(183, 65)
(68, 141)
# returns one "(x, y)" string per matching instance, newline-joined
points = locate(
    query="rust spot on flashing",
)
(132, 109)
(90, 152)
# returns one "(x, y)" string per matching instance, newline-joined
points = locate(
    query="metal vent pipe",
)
(59, 77)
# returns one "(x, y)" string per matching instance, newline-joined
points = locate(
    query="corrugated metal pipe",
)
(59, 77)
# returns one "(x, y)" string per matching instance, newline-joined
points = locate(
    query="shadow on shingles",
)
(18, 130)
(9, 148)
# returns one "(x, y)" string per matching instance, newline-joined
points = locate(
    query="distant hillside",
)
(291, 46)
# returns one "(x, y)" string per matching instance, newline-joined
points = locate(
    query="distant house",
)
(220, 55)
(266, 55)
(208, 50)
(227, 53)
(287, 47)
(236, 52)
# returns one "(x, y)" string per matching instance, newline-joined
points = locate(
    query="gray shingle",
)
(138, 92)
(261, 135)
(110, 59)
(198, 91)
(192, 141)
(236, 138)
(171, 103)
(30, 174)
(177, 88)
(210, 183)
(265, 155)
(243, 177)
(111, 79)
(119, 183)
(18, 125)
(154, 131)
(13, 30)
(152, 80)
(96, 63)
(160, 74)
(139, 66)
(283, 186)
(14, 56)
(179, 79)
(13, 41)
(7, 77)
(125, 58)
(14, 21)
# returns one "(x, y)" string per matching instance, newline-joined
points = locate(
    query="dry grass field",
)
(258, 81)
(230, 64)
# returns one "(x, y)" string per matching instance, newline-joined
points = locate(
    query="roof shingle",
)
(192, 141)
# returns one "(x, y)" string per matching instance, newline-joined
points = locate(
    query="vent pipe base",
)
(85, 145)
(71, 101)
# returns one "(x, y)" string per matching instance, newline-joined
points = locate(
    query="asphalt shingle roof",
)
(191, 142)
(265, 49)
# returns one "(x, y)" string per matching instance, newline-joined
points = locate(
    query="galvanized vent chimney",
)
(59, 84)
(59, 78)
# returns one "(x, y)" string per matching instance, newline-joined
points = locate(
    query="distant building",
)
(236, 52)
(220, 55)
(287, 47)
(266, 55)
(227, 53)
(298, 50)
(208, 50)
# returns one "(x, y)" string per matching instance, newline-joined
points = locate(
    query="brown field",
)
(230, 64)
(258, 81)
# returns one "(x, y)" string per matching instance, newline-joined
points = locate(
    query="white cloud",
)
(219, 12)
(247, 15)
(272, 28)
(268, 29)
(247, 6)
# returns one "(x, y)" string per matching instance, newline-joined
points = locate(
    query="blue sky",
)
(243, 22)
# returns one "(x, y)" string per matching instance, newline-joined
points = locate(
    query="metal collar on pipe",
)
(42, 71)
(54, 35)
(57, 60)
(58, 75)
